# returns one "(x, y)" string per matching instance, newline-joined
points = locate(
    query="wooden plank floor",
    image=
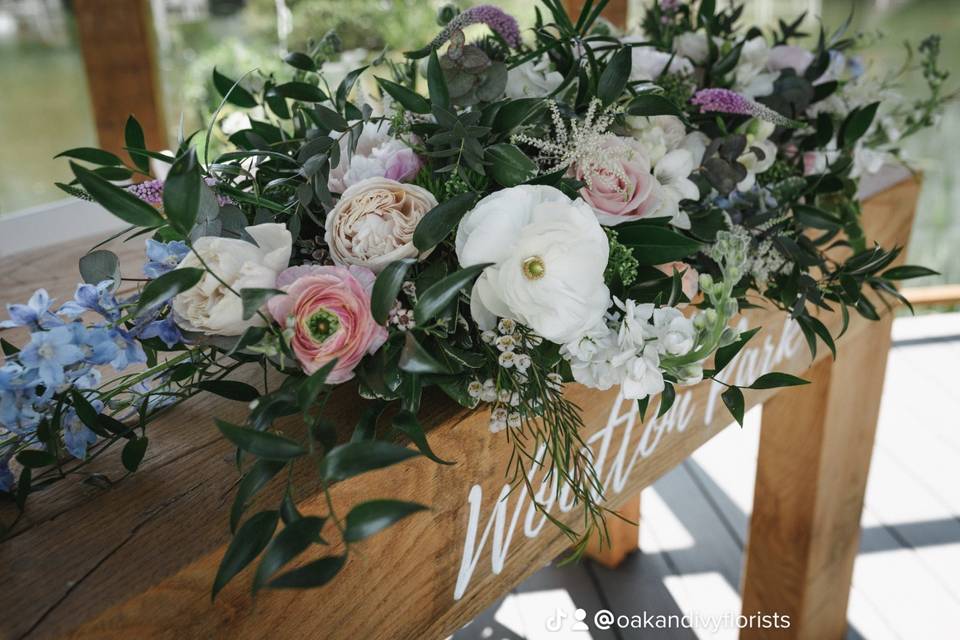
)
(906, 582)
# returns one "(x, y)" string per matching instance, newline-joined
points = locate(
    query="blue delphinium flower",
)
(35, 314)
(165, 329)
(163, 257)
(129, 350)
(76, 435)
(49, 352)
(98, 298)
(96, 343)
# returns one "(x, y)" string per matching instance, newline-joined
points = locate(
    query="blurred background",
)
(46, 107)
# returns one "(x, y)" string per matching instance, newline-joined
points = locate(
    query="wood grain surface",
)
(137, 558)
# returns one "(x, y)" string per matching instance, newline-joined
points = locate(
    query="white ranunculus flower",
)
(373, 223)
(548, 254)
(210, 307)
(533, 79)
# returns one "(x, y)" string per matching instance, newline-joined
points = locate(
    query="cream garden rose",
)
(210, 307)
(373, 223)
(548, 254)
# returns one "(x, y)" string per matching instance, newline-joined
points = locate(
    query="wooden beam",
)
(616, 11)
(933, 295)
(623, 536)
(117, 43)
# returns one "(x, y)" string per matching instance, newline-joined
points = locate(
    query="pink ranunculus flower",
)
(328, 310)
(632, 194)
(689, 278)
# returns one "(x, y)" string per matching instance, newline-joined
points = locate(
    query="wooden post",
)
(815, 448)
(616, 11)
(624, 536)
(117, 42)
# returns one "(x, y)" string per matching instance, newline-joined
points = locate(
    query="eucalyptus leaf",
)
(100, 265)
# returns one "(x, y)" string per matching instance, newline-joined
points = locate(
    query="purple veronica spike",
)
(150, 191)
(499, 21)
(726, 101)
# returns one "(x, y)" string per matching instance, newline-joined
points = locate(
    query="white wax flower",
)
(548, 254)
(210, 307)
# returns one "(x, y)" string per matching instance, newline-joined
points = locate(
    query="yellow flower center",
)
(534, 268)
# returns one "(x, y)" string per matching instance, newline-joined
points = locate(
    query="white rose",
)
(533, 79)
(648, 63)
(210, 307)
(549, 254)
(373, 223)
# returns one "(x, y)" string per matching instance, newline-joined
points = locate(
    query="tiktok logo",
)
(555, 623)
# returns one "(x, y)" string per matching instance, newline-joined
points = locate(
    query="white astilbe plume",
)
(580, 144)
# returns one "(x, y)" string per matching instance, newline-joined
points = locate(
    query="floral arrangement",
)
(495, 217)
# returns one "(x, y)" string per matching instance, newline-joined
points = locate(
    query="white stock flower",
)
(643, 377)
(751, 77)
(673, 173)
(648, 63)
(675, 332)
(758, 134)
(693, 45)
(533, 79)
(210, 307)
(657, 134)
(548, 253)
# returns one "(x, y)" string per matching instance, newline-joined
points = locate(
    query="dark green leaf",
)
(353, 458)
(295, 538)
(181, 193)
(230, 389)
(436, 298)
(246, 545)
(725, 354)
(407, 423)
(261, 443)
(255, 479)
(667, 399)
(415, 359)
(408, 99)
(116, 200)
(515, 112)
(301, 91)
(34, 458)
(653, 245)
(87, 413)
(100, 265)
(92, 155)
(387, 287)
(509, 166)
(253, 299)
(775, 380)
(330, 119)
(437, 86)
(614, 78)
(373, 516)
(311, 575)
(733, 399)
(441, 220)
(311, 385)
(134, 139)
(167, 286)
(232, 91)
(367, 425)
(857, 123)
(300, 61)
(651, 104)
(133, 452)
(907, 272)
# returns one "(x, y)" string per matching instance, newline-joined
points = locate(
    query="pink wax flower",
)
(621, 188)
(328, 310)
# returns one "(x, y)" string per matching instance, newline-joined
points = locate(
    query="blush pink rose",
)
(328, 309)
(620, 196)
(689, 278)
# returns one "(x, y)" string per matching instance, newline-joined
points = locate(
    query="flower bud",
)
(706, 281)
(729, 336)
